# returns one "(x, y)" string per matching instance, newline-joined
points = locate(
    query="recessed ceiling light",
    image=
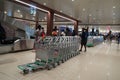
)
(114, 7)
(73, 0)
(18, 10)
(83, 9)
(5, 12)
(44, 3)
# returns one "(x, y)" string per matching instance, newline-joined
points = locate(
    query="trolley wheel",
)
(25, 71)
(49, 67)
(59, 62)
(63, 60)
(71, 55)
(34, 70)
(54, 65)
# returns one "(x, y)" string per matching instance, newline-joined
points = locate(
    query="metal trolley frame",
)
(52, 51)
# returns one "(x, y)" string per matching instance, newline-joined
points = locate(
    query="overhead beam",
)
(76, 27)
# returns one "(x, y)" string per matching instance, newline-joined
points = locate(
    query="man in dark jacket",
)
(84, 37)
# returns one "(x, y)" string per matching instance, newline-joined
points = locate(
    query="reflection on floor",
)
(101, 62)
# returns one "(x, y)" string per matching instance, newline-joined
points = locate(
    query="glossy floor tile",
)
(101, 62)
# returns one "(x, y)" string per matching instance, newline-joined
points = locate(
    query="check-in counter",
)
(94, 40)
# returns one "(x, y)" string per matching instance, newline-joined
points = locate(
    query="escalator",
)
(13, 35)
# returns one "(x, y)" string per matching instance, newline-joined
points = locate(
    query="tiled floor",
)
(101, 62)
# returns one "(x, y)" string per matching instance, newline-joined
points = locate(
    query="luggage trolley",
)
(52, 51)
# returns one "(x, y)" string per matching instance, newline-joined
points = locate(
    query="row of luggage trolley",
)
(52, 51)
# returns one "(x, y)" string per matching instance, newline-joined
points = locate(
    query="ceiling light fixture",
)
(83, 9)
(18, 10)
(73, 0)
(44, 3)
(31, 5)
(114, 7)
(5, 12)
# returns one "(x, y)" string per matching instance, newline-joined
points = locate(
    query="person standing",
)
(42, 33)
(68, 32)
(38, 32)
(84, 37)
(54, 32)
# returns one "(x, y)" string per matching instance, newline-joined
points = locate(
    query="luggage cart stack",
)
(52, 51)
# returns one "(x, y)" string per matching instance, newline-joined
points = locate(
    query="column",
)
(36, 19)
(50, 17)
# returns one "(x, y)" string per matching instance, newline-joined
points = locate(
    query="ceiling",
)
(88, 11)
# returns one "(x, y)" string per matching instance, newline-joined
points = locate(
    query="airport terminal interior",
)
(59, 39)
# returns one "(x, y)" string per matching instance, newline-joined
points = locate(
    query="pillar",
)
(50, 17)
(36, 19)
